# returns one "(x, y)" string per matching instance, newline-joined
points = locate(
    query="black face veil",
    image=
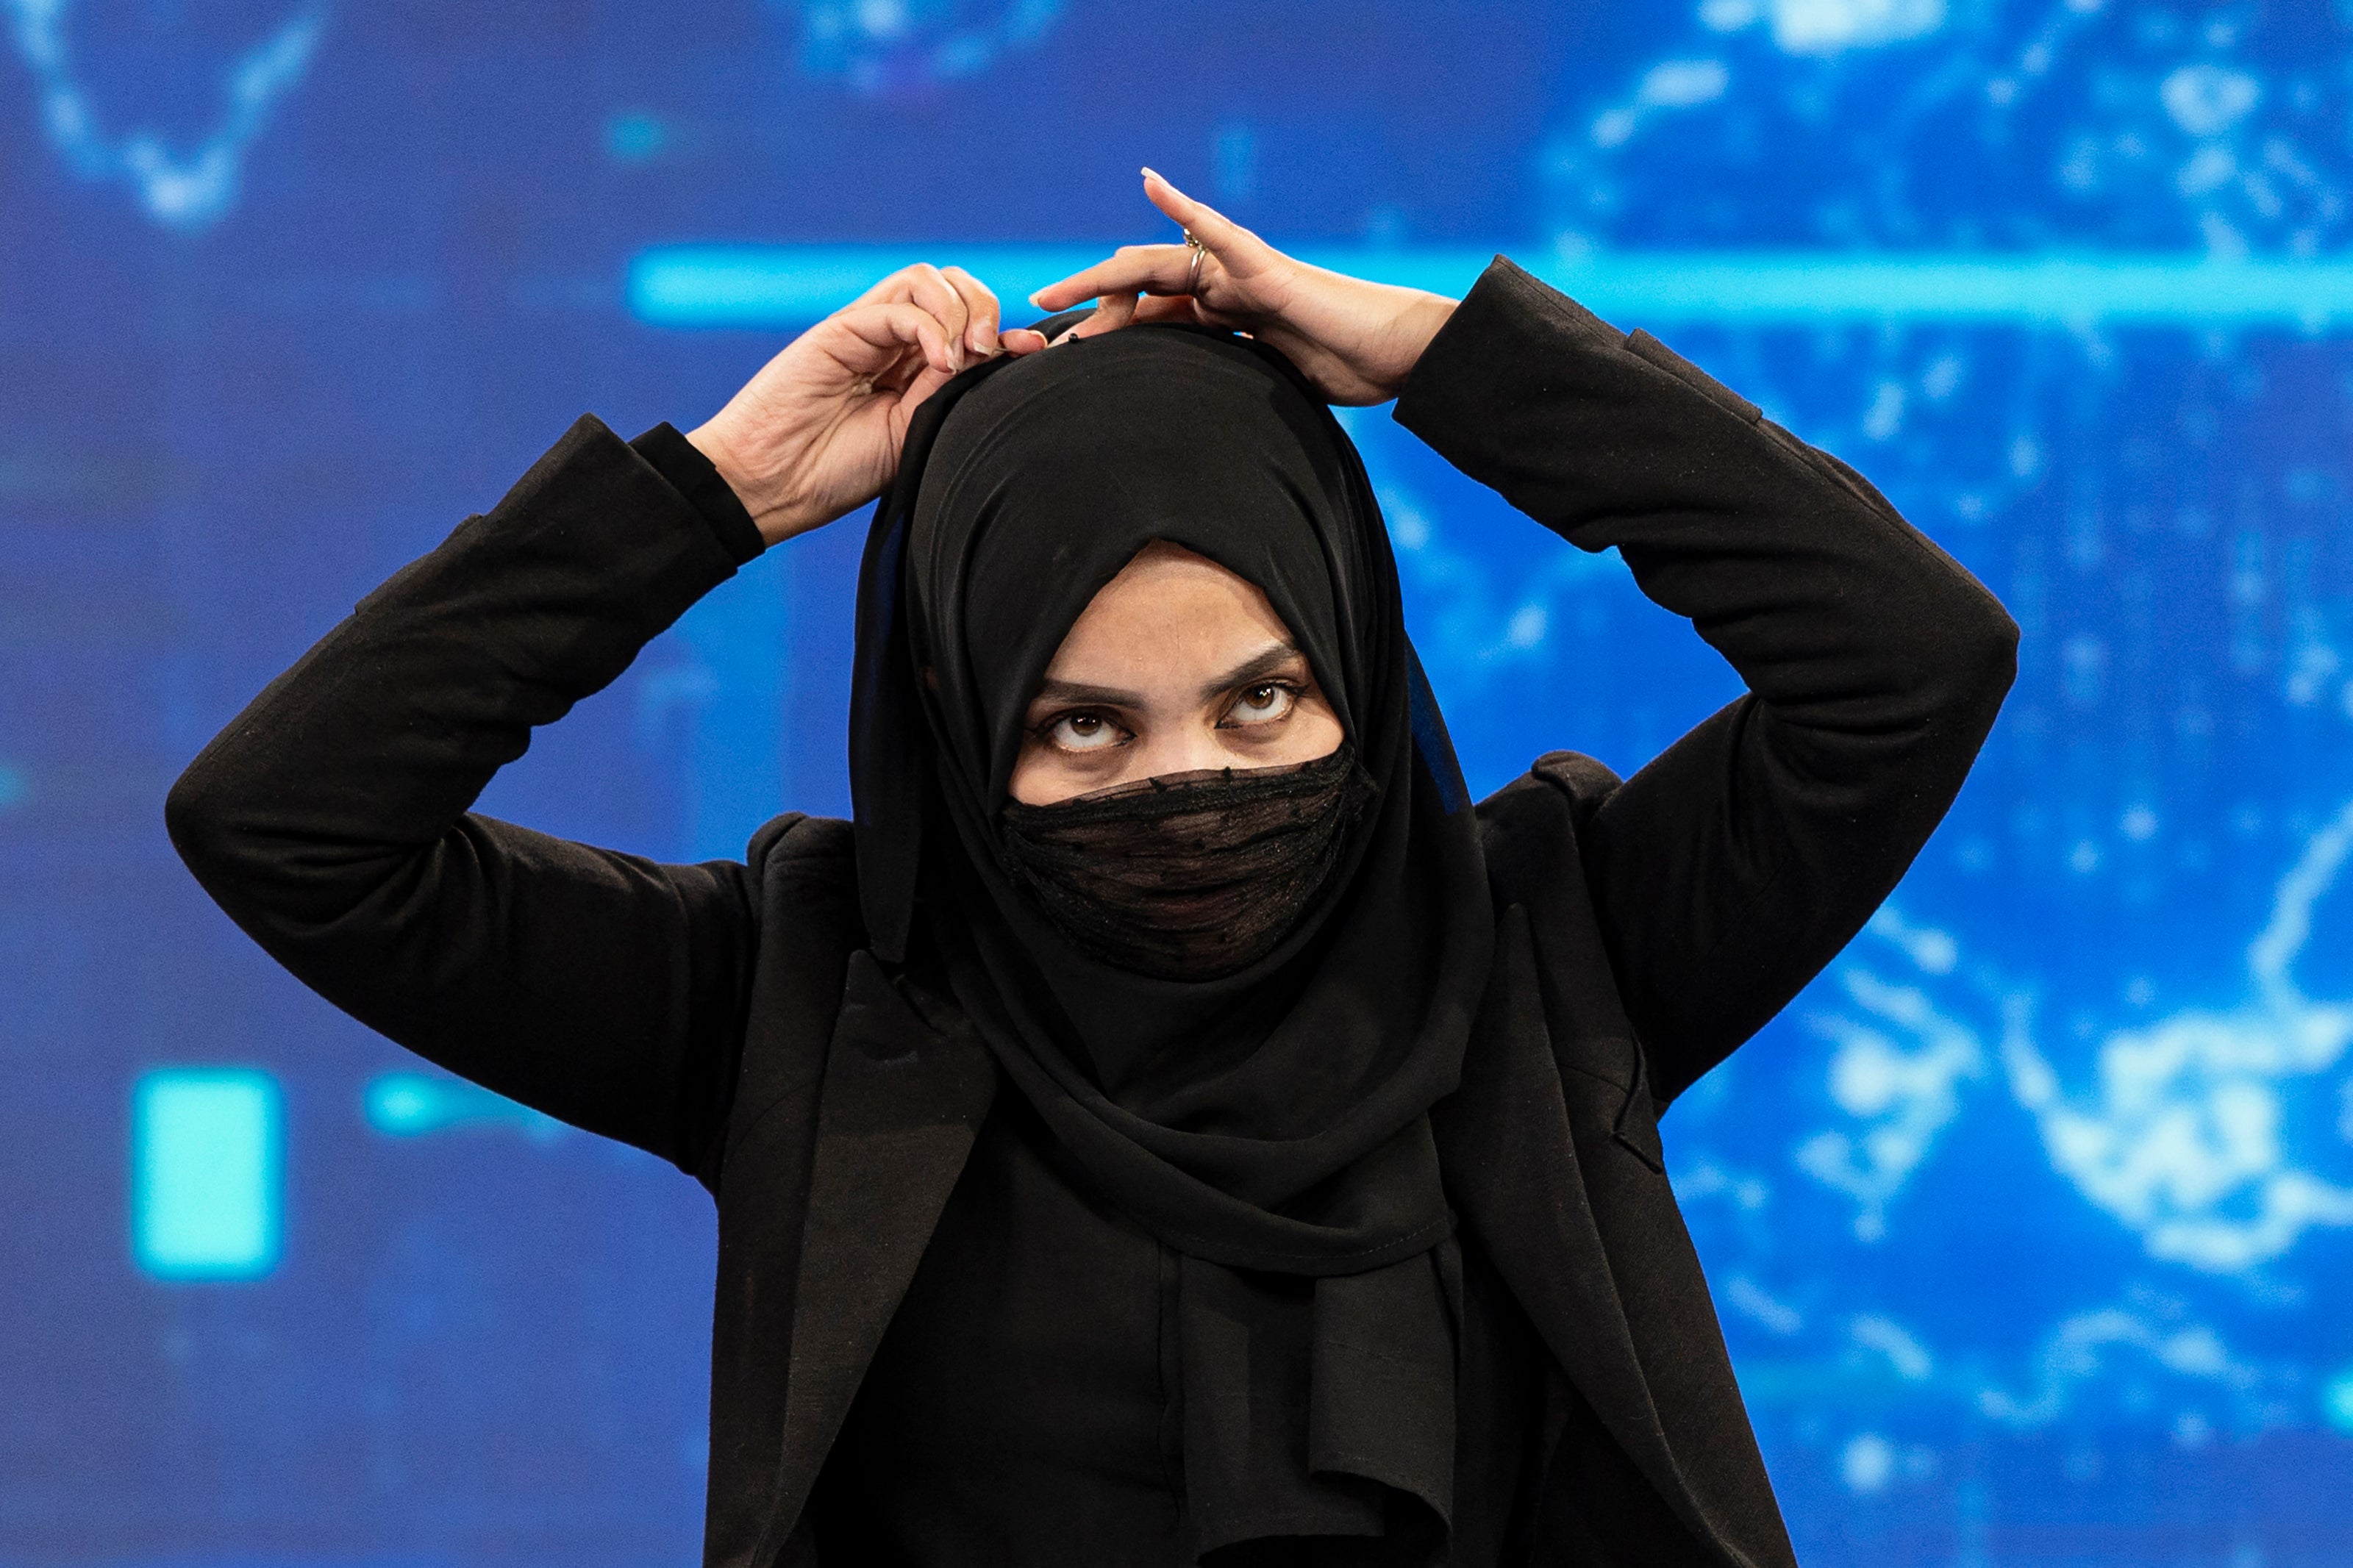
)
(1269, 1126)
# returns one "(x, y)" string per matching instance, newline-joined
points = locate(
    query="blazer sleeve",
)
(331, 819)
(1732, 869)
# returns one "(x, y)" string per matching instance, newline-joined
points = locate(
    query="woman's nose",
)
(1182, 749)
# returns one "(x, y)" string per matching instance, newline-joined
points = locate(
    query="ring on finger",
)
(1193, 268)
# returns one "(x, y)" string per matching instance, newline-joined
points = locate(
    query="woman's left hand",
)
(1356, 340)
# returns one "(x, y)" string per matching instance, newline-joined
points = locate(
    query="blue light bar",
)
(205, 1173)
(410, 1104)
(789, 285)
(772, 285)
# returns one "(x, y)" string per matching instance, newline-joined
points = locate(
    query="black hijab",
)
(1269, 1126)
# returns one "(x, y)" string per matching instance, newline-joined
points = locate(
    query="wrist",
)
(755, 481)
(1366, 336)
(1417, 324)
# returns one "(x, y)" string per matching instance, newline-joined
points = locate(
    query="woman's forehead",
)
(1170, 614)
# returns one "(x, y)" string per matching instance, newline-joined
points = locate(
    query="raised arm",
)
(1731, 869)
(1727, 872)
(331, 819)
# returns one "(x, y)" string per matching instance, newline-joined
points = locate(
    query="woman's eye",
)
(1082, 732)
(1261, 704)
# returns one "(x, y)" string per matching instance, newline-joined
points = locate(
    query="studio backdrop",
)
(2031, 1224)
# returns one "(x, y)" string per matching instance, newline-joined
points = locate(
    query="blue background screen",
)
(2031, 1224)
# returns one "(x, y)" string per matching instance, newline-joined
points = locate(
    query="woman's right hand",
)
(817, 433)
(1355, 339)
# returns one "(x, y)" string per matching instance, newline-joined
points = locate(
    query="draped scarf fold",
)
(1270, 1125)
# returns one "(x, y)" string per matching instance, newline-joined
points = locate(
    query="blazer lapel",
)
(901, 1103)
(1511, 1169)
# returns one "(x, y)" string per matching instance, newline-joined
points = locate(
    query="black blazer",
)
(728, 1017)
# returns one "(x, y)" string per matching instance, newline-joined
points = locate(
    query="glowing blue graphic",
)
(1670, 84)
(2181, 1137)
(2337, 1402)
(2182, 1140)
(880, 46)
(1473, 623)
(411, 1104)
(2068, 122)
(1900, 1098)
(772, 285)
(205, 1173)
(1827, 27)
(765, 285)
(185, 186)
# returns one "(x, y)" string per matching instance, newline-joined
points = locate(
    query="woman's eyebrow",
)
(1266, 662)
(1052, 690)
(1258, 667)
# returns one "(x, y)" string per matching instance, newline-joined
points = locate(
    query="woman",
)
(1173, 1124)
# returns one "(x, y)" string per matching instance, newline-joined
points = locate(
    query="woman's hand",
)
(817, 432)
(1355, 340)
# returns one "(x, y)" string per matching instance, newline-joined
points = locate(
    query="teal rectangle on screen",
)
(207, 1178)
(768, 285)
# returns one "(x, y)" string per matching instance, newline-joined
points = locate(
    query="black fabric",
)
(694, 476)
(738, 1020)
(1025, 1406)
(1020, 1409)
(1272, 1121)
(1190, 876)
